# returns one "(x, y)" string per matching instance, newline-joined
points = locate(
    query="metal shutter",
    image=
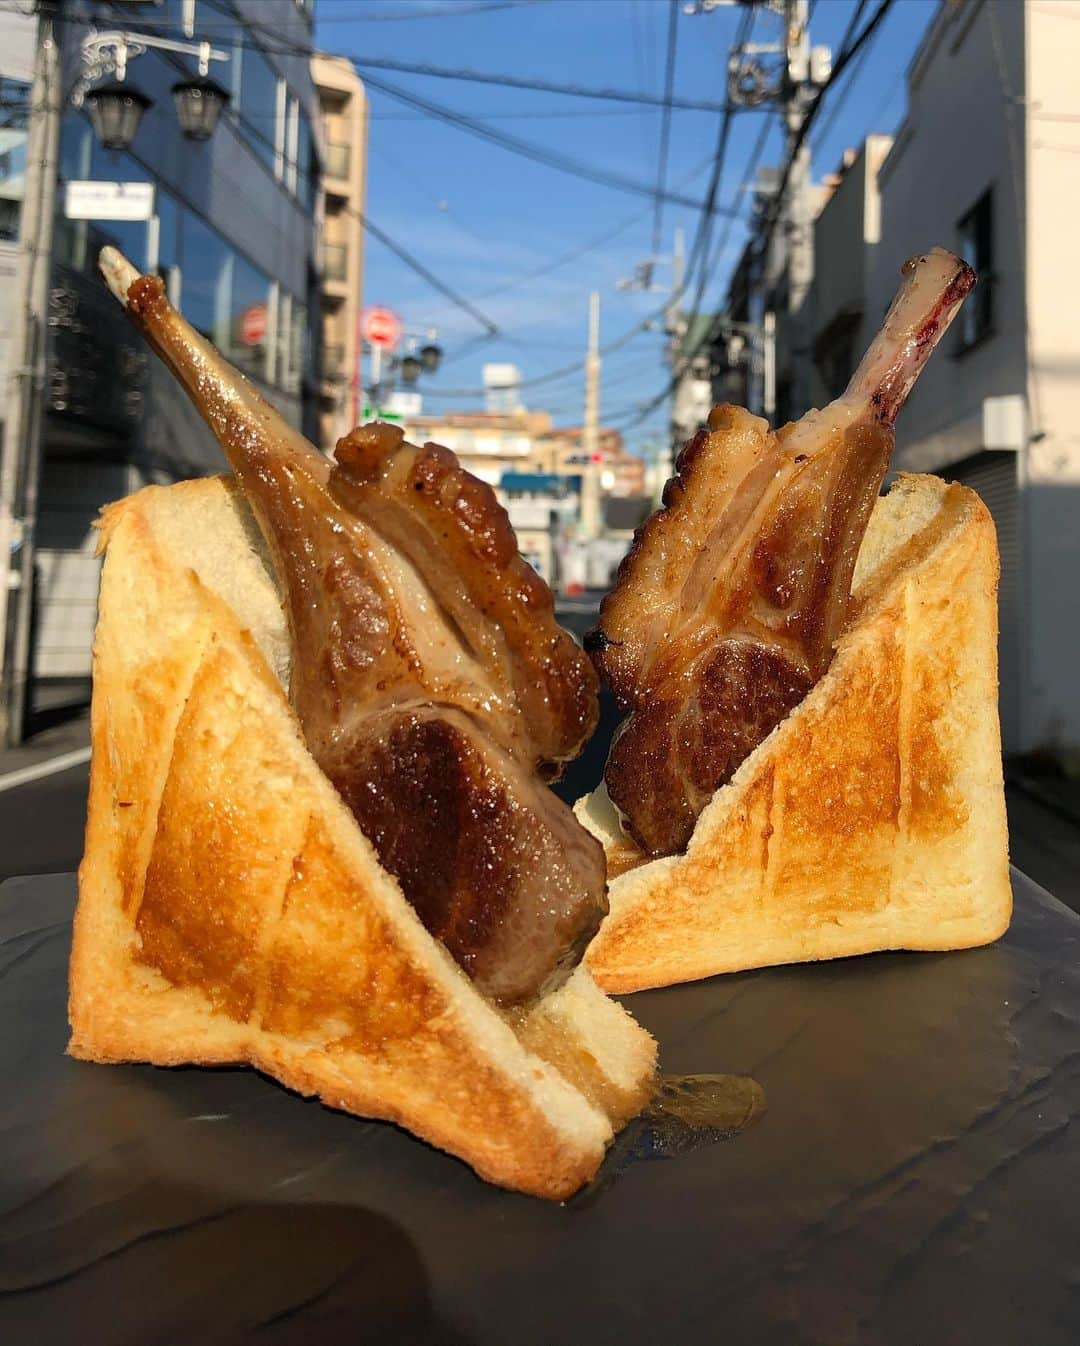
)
(993, 476)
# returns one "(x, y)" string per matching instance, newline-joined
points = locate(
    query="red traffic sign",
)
(380, 327)
(253, 325)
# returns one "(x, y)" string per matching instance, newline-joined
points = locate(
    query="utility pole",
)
(797, 91)
(590, 430)
(792, 84)
(21, 460)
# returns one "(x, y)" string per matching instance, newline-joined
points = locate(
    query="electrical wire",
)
(534, 116)
(845, 92)
(403, 254)
(551, 158)
(699, 250)
(277, 45)
(844, 58)
(576, 253)
(510, 81)
(513, 144)
(665, 122)
(457, 11)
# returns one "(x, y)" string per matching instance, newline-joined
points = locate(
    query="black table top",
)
(913, 1182)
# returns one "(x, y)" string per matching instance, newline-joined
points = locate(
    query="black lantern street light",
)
(116, 108)
(409, 368)
(199, 104)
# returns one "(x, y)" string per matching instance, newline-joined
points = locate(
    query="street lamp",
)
(115, 110)
(430, 357)
(199, 104)
(409, 367)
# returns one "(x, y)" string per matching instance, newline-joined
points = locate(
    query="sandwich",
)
(810, 763)
(328, 695)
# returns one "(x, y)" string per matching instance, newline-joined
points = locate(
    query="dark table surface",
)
(914, 1181)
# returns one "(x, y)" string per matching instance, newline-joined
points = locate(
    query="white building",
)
(986, 163)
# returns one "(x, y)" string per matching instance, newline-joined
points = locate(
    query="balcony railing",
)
(335, 261)
(337, 160)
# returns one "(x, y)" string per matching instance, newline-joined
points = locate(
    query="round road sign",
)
(380, 327)
(253, 325)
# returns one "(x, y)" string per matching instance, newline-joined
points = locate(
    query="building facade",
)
(537, 470)
(344, 111)
(232, 233)
(982, 164)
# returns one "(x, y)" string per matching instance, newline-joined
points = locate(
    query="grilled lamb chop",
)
(727, 608)
(432, 683)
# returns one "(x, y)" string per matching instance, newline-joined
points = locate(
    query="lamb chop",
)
(726, 611)
(431, 681)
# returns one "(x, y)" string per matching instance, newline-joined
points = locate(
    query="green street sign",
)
(368, 413)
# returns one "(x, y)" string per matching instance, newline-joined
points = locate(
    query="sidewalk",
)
(57, 741)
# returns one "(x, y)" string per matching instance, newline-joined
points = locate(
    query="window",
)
(976, 235)
(307, 175)
(292, 340)
(297, 162)
(205, 266)
(70, 236)
(14, 117)
(168, 245)
(298, 349)
(248, 328)
(255, 91)
(130, 236)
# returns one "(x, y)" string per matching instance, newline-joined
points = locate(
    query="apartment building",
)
(344, 111)
(983, 164)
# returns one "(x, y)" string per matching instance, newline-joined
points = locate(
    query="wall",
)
(951, 148)
(846, 237)
(1051, 497)
(17, 40)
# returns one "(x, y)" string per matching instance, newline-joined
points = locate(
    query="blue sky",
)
(482, 218)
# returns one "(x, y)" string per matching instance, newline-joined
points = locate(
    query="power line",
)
(533, 116)
(483, 7)
(746, 177)
(514, 144)
(508, 81)
(844, 58)
(665, 121)
(421, 270)
(700, 248)
(528, 150)
(842, 96)
(709, 334)
(564, 259)
(402, 253)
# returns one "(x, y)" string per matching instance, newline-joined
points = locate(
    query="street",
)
(43, 804)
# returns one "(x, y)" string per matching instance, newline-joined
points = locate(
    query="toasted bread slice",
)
(230, 910)
(873, 817)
